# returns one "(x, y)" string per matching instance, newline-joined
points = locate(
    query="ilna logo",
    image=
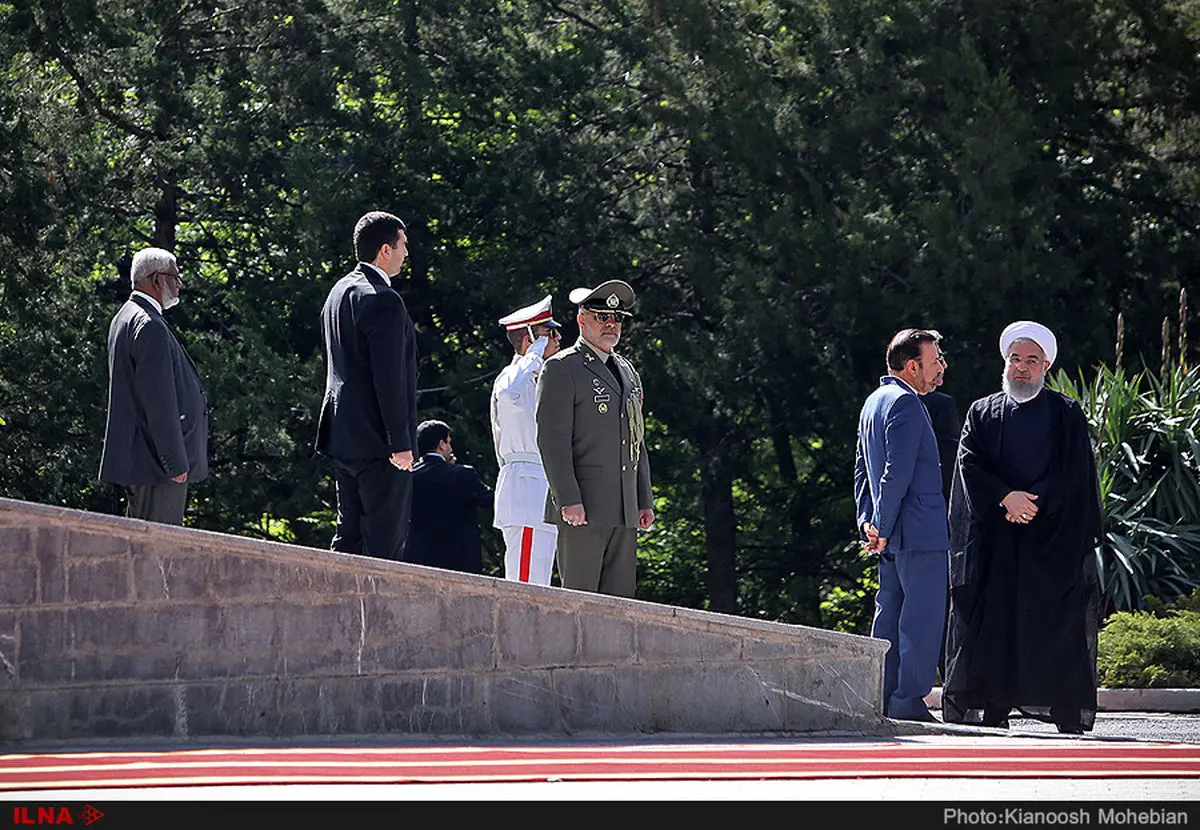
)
(87, 814)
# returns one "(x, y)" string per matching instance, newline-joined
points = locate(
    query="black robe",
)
(1024, 599)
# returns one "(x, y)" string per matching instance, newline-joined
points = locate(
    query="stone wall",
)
(118, 628)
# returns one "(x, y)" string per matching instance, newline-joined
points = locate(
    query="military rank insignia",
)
(601, 397)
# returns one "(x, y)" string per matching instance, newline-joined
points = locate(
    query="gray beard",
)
(1022, 391)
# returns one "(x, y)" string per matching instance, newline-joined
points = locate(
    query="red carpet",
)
(1001, 758)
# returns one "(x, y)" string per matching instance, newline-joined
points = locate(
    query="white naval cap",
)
(1029, 330)
(535, 314)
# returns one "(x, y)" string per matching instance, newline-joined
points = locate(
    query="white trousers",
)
(529, 553)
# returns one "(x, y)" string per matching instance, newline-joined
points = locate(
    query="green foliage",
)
(785, 184)
(1162, 608)
(1157, 650)
(851, 609)
(1145, 428)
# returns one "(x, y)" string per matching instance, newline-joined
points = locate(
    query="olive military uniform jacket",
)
(591, 437)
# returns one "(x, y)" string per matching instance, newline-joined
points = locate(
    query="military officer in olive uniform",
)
(590, 436)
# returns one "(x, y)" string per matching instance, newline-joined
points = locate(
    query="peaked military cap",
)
(535, 314)
(614, 295)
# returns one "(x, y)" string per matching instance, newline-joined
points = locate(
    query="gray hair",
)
(150, 261)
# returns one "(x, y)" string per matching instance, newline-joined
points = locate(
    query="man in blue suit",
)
(902, 519)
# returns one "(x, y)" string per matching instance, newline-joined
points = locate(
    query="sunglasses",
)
(617, 317)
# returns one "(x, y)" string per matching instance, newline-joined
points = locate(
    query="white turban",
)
(1029, 330)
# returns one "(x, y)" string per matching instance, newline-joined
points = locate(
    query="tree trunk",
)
(720, 528)
(166, 211)
(807, 578)
(417, 150)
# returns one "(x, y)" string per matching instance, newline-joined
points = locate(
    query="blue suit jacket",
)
(897, 474)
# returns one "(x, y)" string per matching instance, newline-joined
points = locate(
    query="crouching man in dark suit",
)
(156, 435)
(446, 499)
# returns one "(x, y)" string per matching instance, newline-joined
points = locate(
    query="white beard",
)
(170, 302)
(1022, 391)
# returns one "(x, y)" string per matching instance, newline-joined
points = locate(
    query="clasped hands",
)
(1019, 507)
(402, 460)
(875, 543)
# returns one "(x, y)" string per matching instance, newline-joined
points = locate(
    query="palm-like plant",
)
(1145, 430)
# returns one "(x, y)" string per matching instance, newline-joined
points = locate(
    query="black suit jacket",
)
(444, 531)
(157, 424)
(947, 427)
(370, 405)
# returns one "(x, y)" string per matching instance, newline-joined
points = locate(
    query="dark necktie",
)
(611, 363)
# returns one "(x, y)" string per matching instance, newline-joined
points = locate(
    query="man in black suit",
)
(368, 418)
(446, 501)
(156, 435)
(946, 426)
(943, 414)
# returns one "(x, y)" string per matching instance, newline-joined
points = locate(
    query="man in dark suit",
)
(943, 414)
(590, 435)
(368, 418)
(902, 518)
(947, 426)
(446, 501)
(156, 436)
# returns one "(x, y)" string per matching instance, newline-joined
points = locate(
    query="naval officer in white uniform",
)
(521, 486)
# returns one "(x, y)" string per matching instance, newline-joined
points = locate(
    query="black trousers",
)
(374, 506)
(164, 502)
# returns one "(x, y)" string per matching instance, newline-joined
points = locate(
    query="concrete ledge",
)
(1124, 700)
(118, 628)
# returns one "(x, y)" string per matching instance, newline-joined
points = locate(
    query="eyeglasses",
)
(175, 275)
(617, 317)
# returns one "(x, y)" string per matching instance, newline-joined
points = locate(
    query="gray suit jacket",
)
(589, 433)
(157, 413)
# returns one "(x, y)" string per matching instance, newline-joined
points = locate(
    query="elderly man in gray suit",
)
(156, 438)
(591, 438)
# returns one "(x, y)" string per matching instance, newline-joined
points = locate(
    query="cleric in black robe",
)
(1025, 522)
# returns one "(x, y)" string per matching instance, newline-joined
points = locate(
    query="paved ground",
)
(1140, 726)
(1150, 758)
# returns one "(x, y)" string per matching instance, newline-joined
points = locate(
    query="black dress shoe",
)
(920, 717)
(995, 717)
(1070, 728)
